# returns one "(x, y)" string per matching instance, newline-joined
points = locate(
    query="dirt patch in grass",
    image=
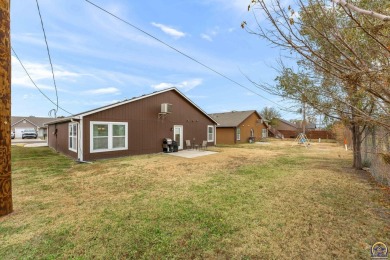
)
(280, 200)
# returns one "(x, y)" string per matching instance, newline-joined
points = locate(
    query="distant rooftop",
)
(38, 121)
(231, 119)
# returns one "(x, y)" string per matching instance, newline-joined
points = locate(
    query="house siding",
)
(146, 130)
(58, 140)
(226, 135)
(25, 125)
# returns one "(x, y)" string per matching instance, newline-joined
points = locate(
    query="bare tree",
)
(270, 114)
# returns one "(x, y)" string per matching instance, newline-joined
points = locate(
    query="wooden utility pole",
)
(5, 109)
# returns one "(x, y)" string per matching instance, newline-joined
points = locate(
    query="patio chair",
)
(188, 144)
(204, 145)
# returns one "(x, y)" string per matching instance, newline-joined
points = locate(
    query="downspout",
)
(55, 133)
(80, 141)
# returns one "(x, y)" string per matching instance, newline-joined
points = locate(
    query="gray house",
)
(21, 123)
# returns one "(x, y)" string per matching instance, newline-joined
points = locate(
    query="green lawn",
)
(268, 201)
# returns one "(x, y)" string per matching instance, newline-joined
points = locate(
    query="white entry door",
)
(178, 135)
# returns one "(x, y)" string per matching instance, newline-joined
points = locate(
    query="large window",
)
(108, 136)
(238, 134)
(73, 137)
(210, 133)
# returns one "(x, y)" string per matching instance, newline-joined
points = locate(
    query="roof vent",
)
(166, 108)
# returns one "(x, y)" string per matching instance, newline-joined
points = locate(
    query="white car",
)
(29, 133)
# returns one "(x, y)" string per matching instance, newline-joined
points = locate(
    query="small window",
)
(210, 133)
(238, 132)
(108, 136)
(73, 137)
(252, 133)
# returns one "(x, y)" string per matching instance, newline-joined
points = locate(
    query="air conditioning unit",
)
(166, 108)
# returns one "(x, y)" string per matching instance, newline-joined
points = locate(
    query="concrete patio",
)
(191, 153)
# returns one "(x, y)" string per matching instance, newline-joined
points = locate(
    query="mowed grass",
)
(258, 201)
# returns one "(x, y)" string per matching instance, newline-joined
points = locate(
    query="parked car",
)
(29, 133)
(12, 135)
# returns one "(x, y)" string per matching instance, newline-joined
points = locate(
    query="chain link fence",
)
(376, 153)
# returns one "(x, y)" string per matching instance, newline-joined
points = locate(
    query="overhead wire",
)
(48, 53)
(24, 68)
(181, 52)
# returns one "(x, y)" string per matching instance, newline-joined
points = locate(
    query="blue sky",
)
(99, 60)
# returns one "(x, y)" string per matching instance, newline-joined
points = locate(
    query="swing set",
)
(302, 139)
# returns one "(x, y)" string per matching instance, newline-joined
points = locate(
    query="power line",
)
(48, 53)
(182, 53)
(17, 57)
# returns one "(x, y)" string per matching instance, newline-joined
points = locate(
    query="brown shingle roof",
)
(126, 102)
(232, 119)
(38, 121)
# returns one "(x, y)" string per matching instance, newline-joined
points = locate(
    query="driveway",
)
(29, 142)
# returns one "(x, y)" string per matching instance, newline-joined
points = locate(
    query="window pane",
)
(71, 142)
(74, 129)
(118, 130)
(100, 142)
(118, 142)
(100, 130)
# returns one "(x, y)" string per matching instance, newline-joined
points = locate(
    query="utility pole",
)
(304, 116)
(5, 110)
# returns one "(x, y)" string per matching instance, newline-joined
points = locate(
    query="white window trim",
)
(110, 136)
(213, 133)
(70, 126)
(238, 134)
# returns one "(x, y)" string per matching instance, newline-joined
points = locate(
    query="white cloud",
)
(184, 85)
(211, 33)
(40, 73)
(169, 30)
(206, 37)
(102, 91)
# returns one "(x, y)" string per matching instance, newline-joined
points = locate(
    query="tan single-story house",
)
(134, 126)
(21, 123)
(240, 127)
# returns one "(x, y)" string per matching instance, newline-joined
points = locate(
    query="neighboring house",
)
(20, 123)
(239, 126)
(286, 128)
(130, 127)
(291, 130)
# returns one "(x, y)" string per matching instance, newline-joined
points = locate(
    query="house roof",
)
(126, 101)
(232, 119)
(309, 125)
(37, 121)
(287, 123)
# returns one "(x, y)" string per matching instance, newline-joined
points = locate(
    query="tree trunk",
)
(357, 144)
